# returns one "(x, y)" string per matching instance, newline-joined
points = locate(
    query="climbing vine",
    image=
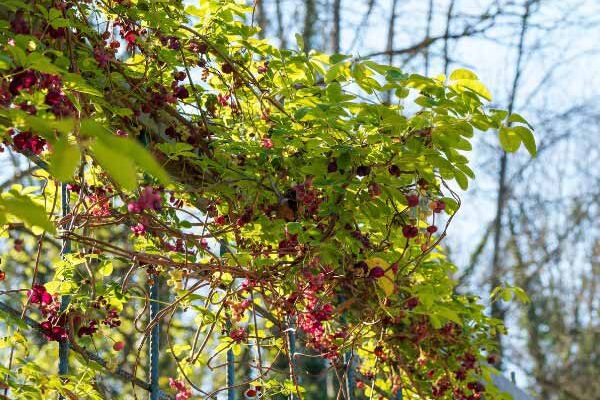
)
(280, 205)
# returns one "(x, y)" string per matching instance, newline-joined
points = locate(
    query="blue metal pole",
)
(63, 345)
(292, 354)
(230, 357)
(154, 346)
(350, 383)
(230, 373)
(154, 341)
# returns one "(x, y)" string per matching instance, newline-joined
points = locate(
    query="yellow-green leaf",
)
(462, 73)
(514, 117)
(64, 160)
(106, 268)
(509, 140)
(27, 211)
(527, 138)
(120, 167)
(127, 148)
(475, 86)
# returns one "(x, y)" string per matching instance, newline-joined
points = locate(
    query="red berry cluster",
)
(149, 199)
(111, 318)
(26, 81)
(245, 218)
(183, 392)
(288, 246)
(238, 335)
(26, 142)
(239, 308)
(54, 325)
(308, 196)
(179, 92)
(178, 247)
(363, 238)
(253, 392)
(19, 24)
(267, 143)
(100, 200)
(138, 229)
(315, 311)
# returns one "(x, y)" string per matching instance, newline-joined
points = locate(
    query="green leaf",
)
(475, 86)
(78, 83)
(462, 73)
(521, 295)
(120, 167)
(299, 42)
(43, 64)
(509, 140)
(527, 138)
(461, 179)
(449, 314)
(64, 160)
(126, 149)
(140, 156)
(179, 349)
(294, 227)
(518, 118)
(106, 268)
(47, 128)
(25, 209)
(336, 70)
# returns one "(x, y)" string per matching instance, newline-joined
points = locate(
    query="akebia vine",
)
(181, 134)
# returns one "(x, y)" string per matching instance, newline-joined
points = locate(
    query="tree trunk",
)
(449, 17)
(335, 30)
(280, 30)
(261, 17)
(428, 35)
(497, 311)
(310, 17)
(390, 43)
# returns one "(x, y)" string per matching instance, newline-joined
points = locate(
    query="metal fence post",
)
(63, 345)
(230, 382)
(292, 353)
(154, 341)
(350, 382)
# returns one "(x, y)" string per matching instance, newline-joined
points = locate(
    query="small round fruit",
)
(118, 346)
(227, 68)
(394, 170)
(363, 170)
(432, 229)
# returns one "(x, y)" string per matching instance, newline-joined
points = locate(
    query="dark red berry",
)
(118, 346)
(363, 170)
(376, 272)
(394, 170)
(332, 166)
(227, 68)
(374, 190)
(437, 206)
(412, 200)
(203, 48)
(411, 302)
(22, 80)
